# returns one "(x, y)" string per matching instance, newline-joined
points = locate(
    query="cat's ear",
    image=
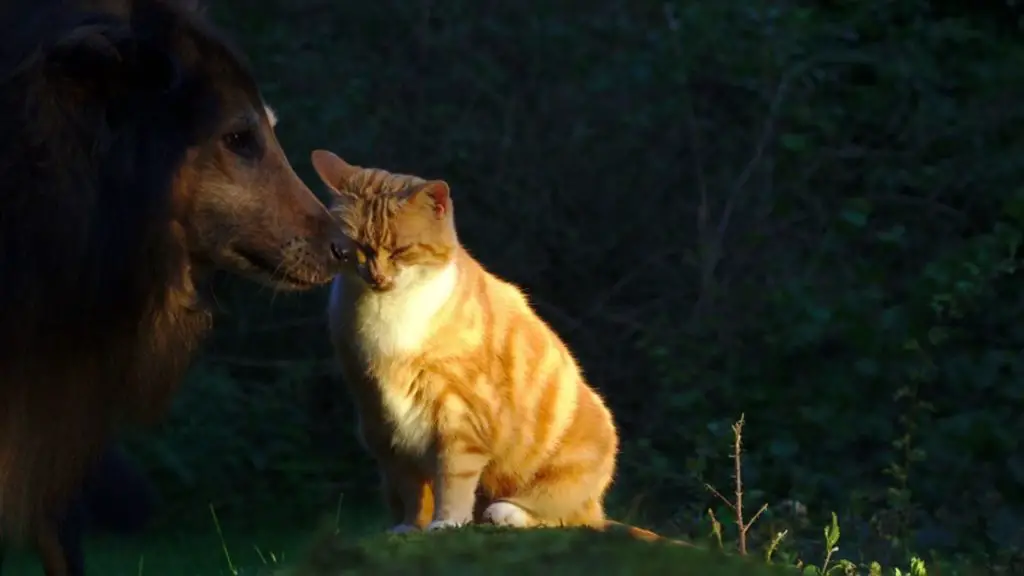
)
(334, 171)
(434, 195)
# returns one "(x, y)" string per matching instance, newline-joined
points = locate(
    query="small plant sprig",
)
(847, 568)
(737, 505)
(829, 567)
(831, 547)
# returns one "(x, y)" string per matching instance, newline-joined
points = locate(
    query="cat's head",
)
(400, 228)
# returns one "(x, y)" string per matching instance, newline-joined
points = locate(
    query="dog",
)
(138, 157)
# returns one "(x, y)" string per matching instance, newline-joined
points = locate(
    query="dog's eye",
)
(244, 143)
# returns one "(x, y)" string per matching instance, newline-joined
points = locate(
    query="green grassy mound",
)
(495, 552)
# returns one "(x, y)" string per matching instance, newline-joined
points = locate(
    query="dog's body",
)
(137, 155)
(116, 497)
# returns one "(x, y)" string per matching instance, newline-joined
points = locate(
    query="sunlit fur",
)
(474, 409)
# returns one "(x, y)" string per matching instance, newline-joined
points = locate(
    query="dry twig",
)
(737, 505)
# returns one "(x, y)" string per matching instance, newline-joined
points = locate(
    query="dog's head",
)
(244, 209)
(237, 204)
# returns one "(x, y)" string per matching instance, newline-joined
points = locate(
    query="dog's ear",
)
(192, 5)
(105, 56)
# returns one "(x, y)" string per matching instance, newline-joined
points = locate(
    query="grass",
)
(352, 550)
(359, 544)
(181, 553)
(494, 551)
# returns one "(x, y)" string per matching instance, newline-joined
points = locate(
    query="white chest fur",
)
(397, 322)
(412, 427)
(387, 327)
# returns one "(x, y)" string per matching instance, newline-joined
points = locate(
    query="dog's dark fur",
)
(116, 497)
(136, 155)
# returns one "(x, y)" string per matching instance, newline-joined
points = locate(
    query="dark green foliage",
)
(805, 212)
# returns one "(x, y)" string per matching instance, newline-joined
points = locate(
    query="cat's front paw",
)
(403, 529)
(445, 524)
(503, 513)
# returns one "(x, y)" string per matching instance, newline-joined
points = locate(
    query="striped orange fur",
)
(474, 409)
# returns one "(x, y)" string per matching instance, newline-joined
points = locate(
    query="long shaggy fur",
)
(135, 147)
(91, 322)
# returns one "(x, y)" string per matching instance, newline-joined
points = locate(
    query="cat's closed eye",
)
(399, 252)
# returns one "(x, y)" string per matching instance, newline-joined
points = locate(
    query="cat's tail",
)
(642, 534)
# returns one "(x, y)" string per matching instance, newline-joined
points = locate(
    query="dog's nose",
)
(341, 248)
(340, 252)
(334, 246)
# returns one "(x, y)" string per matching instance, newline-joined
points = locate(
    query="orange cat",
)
(473, 407)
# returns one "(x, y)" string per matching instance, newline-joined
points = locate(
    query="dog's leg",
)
(70, 535)
(50, 551)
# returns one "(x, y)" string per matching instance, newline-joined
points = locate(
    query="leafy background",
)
(805, 212)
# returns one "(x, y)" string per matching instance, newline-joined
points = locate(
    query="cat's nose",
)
(375, 280)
